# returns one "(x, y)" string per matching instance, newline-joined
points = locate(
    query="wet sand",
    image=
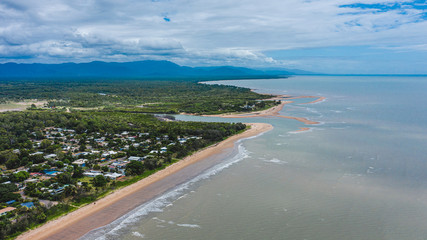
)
(274, 111)
(265, 113)
(120, 202)
(301, 129)
(319, 99)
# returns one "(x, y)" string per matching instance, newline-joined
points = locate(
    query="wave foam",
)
(189, 225)
(137, 234)
(275, 160)
(115, 229)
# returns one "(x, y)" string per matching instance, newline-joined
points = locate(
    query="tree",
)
(8, 155)
(45, 143)
(6, 192)
(70, 190)
(150, 163)
(99, 181)
(78, 172)
(134, 168)
(64, 178)
(37, 158)
(104, 168)
(20, 176)
(59, 164)
(82, 147)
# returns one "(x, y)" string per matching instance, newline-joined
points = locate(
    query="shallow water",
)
(360, 174)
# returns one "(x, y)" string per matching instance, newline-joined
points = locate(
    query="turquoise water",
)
(360, 174)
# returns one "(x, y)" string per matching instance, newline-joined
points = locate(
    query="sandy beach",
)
(274, 111)
(120, 202)
(265, 113)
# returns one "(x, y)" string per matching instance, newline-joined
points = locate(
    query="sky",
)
(324, 36)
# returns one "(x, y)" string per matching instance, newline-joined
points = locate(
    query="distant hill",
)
(140, 69)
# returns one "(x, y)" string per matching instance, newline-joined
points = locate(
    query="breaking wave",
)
(118, 227)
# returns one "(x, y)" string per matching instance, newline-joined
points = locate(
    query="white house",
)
(133, 158)
(113, 176)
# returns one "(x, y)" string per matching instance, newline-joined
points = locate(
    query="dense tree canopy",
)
(134, 168)
(136, 95)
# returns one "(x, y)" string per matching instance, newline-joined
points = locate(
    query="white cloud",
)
(200, 32)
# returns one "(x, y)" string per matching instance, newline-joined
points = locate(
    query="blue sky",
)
(327, 36)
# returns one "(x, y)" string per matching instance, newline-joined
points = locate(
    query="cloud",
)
(202, 32)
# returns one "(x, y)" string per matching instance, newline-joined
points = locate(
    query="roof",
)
(28, 204)
(5, 210)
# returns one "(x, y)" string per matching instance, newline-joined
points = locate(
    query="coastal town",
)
(59, 169)
(101, 156)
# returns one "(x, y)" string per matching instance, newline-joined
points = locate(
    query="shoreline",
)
(274, 111)
(72, 226)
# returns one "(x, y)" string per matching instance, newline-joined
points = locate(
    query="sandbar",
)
(273, 112)
(318, 99)
(122, 201)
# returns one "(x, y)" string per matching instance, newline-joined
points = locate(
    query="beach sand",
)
(318, 99)
(120, 202)
(274, 111)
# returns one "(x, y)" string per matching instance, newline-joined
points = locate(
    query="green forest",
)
(149, 96)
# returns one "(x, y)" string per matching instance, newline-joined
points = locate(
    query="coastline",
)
(74, 224)
(274, 111)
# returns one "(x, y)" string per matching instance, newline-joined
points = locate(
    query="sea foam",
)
(118, 227)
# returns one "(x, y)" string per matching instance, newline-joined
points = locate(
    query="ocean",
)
(359, 174)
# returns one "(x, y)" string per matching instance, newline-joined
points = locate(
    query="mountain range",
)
(139, 69)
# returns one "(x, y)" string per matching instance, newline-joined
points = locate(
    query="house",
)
(4, 211)
(28, 204)
(35, 174)
(10, 202)
(58, 190)
(51, 172)
(81, 153)
(50, 156)
(113, 176)
(36, 153)
(133, 158)
(91, 174)
(80, 162)
(31, 180)
(100, 140)
(119, 165)
(112, 152)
